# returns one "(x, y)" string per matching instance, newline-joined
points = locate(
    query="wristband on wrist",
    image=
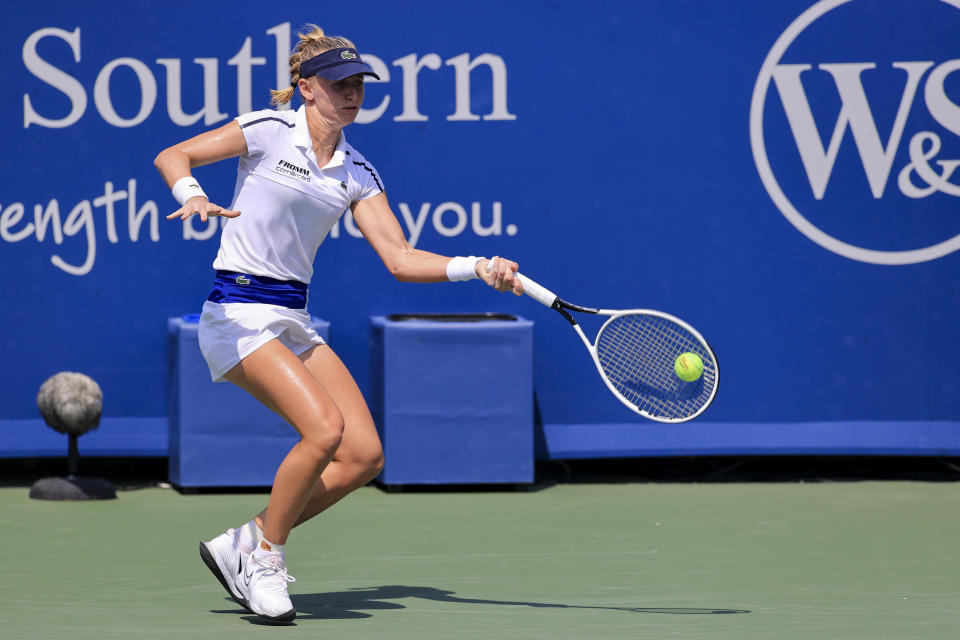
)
(186, 188)
(462, 268)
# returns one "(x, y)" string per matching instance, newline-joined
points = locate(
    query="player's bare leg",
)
(360, 456)
(285, 384)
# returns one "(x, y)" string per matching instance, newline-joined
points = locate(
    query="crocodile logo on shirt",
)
(242, 280)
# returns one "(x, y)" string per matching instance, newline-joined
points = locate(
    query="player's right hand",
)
(500, 273)
(199, 205)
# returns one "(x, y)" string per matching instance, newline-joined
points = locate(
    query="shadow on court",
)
(364, 602)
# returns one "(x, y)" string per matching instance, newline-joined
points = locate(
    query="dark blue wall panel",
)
(781, 175)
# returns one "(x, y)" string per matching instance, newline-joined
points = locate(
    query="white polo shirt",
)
(288, 204)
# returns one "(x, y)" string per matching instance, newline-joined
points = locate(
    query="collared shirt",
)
(288, 204)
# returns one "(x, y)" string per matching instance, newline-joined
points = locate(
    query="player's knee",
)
(322, 445)
(323, 438)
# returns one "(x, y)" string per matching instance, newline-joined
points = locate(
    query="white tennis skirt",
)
(231, 331)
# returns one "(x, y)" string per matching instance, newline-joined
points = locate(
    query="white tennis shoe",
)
(262, 582)
(222, 556)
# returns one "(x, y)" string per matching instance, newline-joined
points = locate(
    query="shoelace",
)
(275, 572)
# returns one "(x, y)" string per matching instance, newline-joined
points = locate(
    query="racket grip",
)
(539, 293)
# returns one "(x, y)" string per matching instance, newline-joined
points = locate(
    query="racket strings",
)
(636, 353)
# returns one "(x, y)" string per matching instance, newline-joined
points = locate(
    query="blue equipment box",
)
(220, 435)
(452, 397)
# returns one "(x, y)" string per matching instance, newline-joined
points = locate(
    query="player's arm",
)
(380, 227)
(174, 164)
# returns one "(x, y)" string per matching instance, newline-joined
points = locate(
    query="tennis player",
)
(297, 175)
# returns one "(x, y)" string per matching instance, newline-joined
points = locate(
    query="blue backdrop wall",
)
(781, 175)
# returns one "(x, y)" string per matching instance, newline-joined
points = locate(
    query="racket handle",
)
(539, 293)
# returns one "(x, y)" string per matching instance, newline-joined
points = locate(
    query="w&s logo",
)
(855, 128)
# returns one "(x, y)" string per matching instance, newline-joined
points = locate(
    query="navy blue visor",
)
(336, 64)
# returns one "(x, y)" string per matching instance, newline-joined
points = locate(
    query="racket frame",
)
(546, 297)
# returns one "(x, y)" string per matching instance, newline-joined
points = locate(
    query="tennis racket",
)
(635, 351)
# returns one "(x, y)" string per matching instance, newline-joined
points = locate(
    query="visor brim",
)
(347, 69)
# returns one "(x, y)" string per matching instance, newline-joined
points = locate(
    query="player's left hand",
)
(500, 273)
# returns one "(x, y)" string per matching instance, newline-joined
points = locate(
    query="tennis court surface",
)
(869, 560)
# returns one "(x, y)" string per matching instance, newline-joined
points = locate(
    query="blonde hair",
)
(313, 42)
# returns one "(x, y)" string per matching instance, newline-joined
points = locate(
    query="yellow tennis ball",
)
(688, 366)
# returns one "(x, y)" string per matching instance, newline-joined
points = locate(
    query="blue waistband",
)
(230, 286)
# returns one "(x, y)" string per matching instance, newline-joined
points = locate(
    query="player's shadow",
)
(364, 602)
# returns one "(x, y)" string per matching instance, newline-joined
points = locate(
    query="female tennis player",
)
(296, 176)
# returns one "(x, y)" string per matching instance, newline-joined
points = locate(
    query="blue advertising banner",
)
(780, 175)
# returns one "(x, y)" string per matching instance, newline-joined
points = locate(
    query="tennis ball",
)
(688, 366)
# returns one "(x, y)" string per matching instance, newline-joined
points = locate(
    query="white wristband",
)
(186, 188)
(462, 268)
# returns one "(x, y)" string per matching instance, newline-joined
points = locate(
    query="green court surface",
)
(769, 561)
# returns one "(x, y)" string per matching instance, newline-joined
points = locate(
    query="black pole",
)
(73, 457)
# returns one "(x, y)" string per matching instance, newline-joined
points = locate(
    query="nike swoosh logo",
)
(243, 572)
